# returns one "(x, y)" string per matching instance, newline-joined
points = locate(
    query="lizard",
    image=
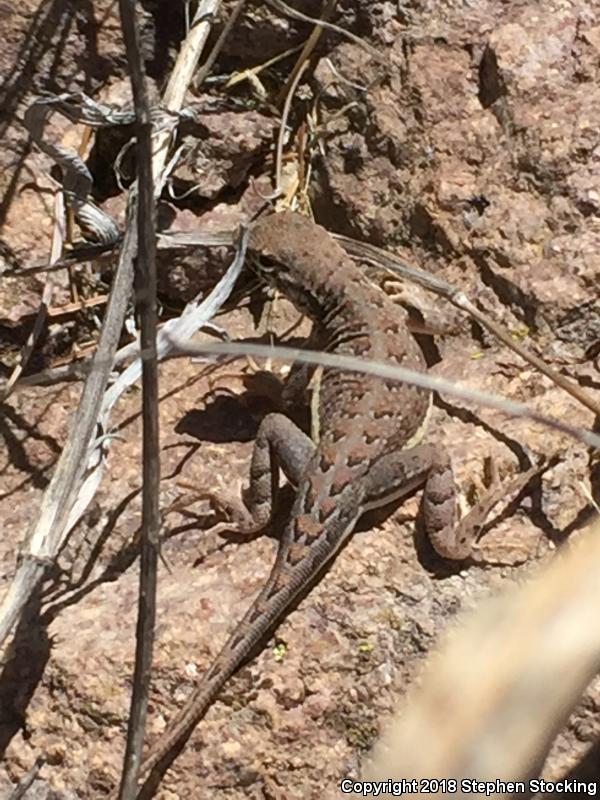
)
(369, 452)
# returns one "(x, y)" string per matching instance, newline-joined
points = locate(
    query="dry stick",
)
(47, 534)
(290, 88)
(190, 53)
(392, 263)
(251, 72)
(212, 56)
(288, 11)
(87, 252)
(180, 80)
(81, 150)
(569, 386)
(508, 677)
(282, 126)
(309, 46)
(388, 371)
(73, 371)
(146, 307)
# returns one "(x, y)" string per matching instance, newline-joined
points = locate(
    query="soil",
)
(472, 153)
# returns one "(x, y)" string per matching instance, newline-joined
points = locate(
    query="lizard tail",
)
(263, 616)
(293, 571)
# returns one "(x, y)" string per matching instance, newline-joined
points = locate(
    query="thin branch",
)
(48, 532)
(382, 370)
(288, 11)
(212, 56)
(43, 309)
(305, 54)
(146, 306)
(190, 53)
(392, 263)
(282, 126)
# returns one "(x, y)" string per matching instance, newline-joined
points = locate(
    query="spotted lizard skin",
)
(363, 459)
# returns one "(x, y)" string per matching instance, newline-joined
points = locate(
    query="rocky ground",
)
(473, 153)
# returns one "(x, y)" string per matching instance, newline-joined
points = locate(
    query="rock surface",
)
(475, 157)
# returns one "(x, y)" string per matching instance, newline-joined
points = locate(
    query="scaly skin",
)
(361, 460)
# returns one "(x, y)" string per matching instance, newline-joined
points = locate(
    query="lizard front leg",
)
(279, 444)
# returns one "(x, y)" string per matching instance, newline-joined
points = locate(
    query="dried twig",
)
(390, 262)
(48, 531)
(305, 54)
(212, 56)
(288, 11)
(282, 129)
(382, 370)
(251, 73)
(146, 306)
(44, 307)
(56, 516)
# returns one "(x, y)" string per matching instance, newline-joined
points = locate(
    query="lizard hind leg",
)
(279, 444)
(397, 474)
(456, 539)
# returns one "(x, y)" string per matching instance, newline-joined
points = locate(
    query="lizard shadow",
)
(223, 419)
(229, 417)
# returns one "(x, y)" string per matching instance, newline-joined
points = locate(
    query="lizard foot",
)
(469, 526)
(235, 521)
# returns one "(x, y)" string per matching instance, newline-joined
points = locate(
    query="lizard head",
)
(299, 258)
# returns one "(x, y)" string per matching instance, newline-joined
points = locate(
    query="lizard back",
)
(362, 417)
(354, 318)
